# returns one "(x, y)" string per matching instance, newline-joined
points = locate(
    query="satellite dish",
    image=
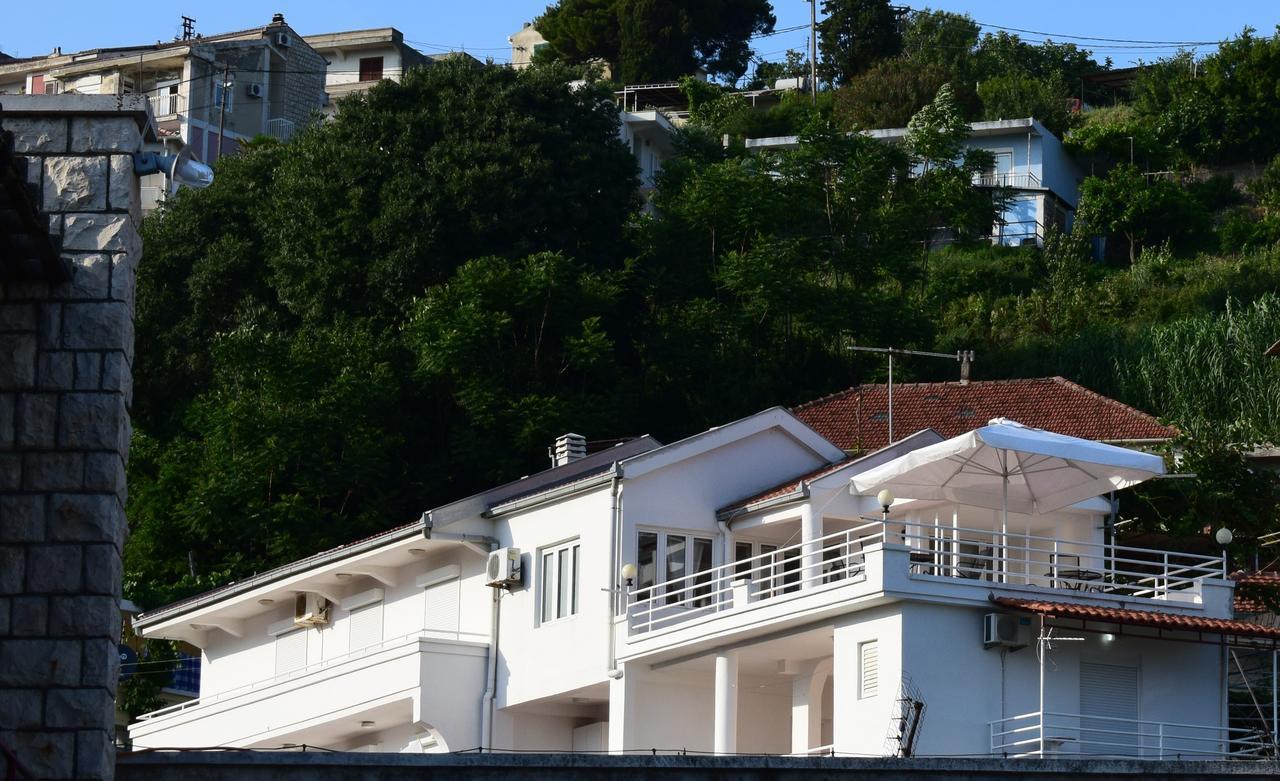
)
(184, 169)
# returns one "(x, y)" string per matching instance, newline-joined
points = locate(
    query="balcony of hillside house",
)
(1054, 735)
(281, 128)
(952, 556)
(1018, 180)
(414, 675)
(167, 105)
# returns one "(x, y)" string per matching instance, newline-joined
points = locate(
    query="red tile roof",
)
(1250, 588)
(794, 485)
(1150, 618)
(857, 419)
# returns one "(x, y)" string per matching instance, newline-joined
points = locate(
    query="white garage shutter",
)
(442, 608)
(1109, 691)
(291, 651)
(366, 626)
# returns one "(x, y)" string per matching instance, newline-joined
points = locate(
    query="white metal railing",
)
(167, 104)
(281, 128)
(1049, 562)
(835, 558)
(828, 750)
(1050, 734)
(368, 650)
(1024, 180)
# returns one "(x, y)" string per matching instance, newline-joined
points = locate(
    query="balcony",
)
(1073, 735)
(411, 675)
(1019, 181)
(281, 128)
(928, 559)
(167, 105)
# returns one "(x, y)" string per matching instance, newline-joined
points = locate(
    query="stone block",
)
(22, 708)
(78, 708)
(12, 568)
(22, 518)
(56, 371)
(100, 664)
(42, 662)
(44, 754)
(104, 472)
(85, 518)
(109, 232)
(105, 134)
(26, 291)
(90, 276)
(29, 616)
(92, 421)
(4, 616)
(52, 471)
(8, 403)
(84, 616)
(123, 189)
(50, 325)
(118, 376)
(104, 326)
(88, 371)
(103, 569)
(10, 471)
(37, 135)
(54, 569)
(17, 317)
(124, 277)
(75, 184)
(95, 754)
(18, 369)
(37, 420)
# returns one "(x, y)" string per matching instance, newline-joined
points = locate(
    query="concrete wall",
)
(65, 389)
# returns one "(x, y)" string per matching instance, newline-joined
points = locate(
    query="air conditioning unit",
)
(253, 90)
(281, 39)
(1002, 629)
(503, 568)
(310, 610)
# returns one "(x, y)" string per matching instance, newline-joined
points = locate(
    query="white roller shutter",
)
(442, 608)
(1109, 691)
(291, 651)
(868, 669)
(366, 626)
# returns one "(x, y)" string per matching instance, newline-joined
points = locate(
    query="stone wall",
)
(65, 388)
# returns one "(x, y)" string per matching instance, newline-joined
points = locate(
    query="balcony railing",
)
(1021, 181)
(952, 554)
(281, 128)
(1051, 734)
(167, 104)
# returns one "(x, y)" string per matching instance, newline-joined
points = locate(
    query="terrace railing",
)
(1051, 734)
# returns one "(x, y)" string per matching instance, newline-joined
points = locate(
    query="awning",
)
(1149, 618)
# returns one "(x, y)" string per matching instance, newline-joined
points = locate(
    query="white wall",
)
(344, 64)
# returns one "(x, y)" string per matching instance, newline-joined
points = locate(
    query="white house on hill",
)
(738, 592)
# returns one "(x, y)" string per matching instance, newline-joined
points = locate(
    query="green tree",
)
(1116, 134)
(1142, 209)
(936, 133)
(942, 39)
(657, 40)
(854, 35)
(1015, 95)
(887, 95)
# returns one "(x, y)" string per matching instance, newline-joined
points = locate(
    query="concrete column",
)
(806, 705)
(623, 695)
(726, 714)
(811, 563)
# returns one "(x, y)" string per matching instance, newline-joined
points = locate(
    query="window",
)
(366, 626)
(560, 567)
(220, 88)
(370, 68)
(868, 669)
(664, 558)
(291, 651)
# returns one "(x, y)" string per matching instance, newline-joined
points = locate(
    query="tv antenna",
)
(963, 357)
(188, 28)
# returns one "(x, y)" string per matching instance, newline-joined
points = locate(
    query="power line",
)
(1096, 38)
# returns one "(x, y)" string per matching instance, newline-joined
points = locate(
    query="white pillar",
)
(806, 705)
(726, 718)
(623, 707)
(811, 561)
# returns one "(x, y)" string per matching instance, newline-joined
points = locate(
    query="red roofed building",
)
(857, 419)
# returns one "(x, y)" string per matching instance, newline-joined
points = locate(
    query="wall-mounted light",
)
(343, 575)
(628, 574)
(266, 601)
(1107, 637)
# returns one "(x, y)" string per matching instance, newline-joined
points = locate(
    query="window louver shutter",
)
(869, 669)
(442, 608)
(1108, 690)
(366, 626)
(291, 651)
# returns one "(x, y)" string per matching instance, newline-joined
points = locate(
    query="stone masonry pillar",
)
(66, 350)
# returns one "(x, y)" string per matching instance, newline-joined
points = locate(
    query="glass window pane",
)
(646, 562)
(548, 585)
(702, 570)
(565, 568)
(741, 552)
(573, 598)
(675, 567)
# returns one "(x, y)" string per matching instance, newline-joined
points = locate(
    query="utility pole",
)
(963, 357)
(222, 105)
(813, 51)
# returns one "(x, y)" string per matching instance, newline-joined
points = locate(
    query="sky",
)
(481, 27)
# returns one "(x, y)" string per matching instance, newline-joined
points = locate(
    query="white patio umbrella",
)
(1008, 466)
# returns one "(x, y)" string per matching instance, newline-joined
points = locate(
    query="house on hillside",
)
(740, 591)
(524, 44)
(1030, 166)
(357, 59)
(208, 93)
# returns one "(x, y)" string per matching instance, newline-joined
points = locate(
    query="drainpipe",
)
(616, 588)
(491, 677)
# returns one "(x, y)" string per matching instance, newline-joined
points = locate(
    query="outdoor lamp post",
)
(885, 498)
(1224, 537)
(628, 574)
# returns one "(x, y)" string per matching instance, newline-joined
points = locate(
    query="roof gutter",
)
(554, 494)
(801, 491)
(163, 614)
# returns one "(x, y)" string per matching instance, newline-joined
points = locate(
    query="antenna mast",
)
(963, 357)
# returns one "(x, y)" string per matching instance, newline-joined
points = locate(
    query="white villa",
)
(732, 592)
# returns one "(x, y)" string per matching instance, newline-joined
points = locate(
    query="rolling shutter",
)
(442, 608)
(291, 651)
(1109, 691)
(366, 626)
(868, 669)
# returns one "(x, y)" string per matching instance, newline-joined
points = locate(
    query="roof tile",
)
(1149, 618)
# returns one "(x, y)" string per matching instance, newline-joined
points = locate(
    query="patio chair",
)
(976, 567)
(1059, 562)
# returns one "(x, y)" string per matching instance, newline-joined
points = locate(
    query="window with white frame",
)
(219, 88)
(558, 570)
(291, 651)
(680, 561)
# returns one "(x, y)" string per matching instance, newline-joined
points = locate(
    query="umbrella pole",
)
(1004, 518)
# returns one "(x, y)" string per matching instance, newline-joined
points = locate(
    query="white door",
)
(1109, 693)
(442, 608)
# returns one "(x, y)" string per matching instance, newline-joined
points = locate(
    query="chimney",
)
(277, 18)
(568, 448)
